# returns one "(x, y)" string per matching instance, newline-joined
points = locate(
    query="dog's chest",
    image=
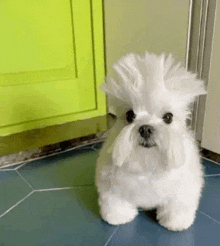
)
(145, 190)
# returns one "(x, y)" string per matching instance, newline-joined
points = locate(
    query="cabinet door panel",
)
(47, 60)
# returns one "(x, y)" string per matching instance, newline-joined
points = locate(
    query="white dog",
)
(150, 158)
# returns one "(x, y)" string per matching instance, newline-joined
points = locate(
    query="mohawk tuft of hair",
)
(138, 76)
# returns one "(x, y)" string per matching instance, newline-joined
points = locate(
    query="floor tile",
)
(98, 145)
(73, 168)
(210, 201)
(12, 167)
(145, 231)
(211, 168)
(89, 146)
(64, 217)
(12, 189)
(71, 216)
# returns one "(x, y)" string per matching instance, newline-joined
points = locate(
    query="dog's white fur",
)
(168, 176)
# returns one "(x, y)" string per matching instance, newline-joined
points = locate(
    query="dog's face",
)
(151, 98)
(157, 130)
(153, 124)
(152, 129)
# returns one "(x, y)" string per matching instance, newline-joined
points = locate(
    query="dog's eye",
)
(168, 118)
(130, 115)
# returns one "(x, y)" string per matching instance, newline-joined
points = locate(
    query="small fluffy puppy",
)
(150, 159)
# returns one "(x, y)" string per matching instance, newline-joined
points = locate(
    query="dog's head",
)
(151, 97)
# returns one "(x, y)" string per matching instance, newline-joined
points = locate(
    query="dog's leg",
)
(177, 216)
(115, 210)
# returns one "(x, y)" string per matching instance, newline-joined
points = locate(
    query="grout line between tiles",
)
(94, 148)
(210, 217)
(14, 164)
(17, 168)
(64, 188)
(6, 170)
(106, 244)
(16, 204)
(212, 175)
(33, 191)
(24, 180)
(210, 160)
(53, 189)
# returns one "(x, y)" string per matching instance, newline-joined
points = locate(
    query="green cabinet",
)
(51, 63)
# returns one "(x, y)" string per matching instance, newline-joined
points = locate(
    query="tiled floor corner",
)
(53, 201)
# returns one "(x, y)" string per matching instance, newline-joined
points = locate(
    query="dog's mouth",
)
(148, 144)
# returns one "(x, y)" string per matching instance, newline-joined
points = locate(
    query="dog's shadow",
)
(151, 215)
(88, 198)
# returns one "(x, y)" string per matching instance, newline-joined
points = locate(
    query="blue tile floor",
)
(53, 201)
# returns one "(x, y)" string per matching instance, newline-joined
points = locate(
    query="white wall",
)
(139, 25)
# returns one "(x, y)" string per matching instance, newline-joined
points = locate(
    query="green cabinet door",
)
(51, 62)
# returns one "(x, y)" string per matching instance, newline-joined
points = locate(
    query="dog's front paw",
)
(119, 218)
(116, 211)
(176, 222)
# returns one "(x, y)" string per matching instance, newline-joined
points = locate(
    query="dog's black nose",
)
(146, 131)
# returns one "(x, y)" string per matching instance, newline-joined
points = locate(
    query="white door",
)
(211, 127)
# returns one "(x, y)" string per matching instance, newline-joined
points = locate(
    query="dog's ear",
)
(184, 84)
(122, 147)
(174, 155)
(189, 89)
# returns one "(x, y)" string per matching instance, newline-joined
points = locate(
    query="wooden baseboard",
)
(211, 155)
(52, 134)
